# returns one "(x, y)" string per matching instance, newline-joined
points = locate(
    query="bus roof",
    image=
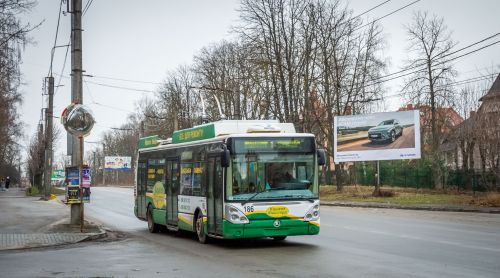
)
(220, 129)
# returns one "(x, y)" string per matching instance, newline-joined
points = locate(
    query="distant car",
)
(387, 130)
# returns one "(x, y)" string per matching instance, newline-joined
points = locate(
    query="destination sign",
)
(244, 145)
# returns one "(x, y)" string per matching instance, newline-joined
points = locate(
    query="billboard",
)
(377, 136)
(58, 175)
(117, 162)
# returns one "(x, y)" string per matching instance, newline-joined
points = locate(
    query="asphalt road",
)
(406, 140)
(352, 243)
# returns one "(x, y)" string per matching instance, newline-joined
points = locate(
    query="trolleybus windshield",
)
(272, 168)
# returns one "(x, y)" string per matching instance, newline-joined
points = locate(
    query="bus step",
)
(215, 235)
(172, 228)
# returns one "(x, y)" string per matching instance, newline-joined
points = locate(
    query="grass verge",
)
(34, 192)
(410, 196)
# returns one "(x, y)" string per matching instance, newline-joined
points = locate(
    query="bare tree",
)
(430, 46)
(302, 62)
(13, 37)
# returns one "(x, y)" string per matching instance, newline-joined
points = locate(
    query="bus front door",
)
(172, 191)
(141, 189)
(215, 196)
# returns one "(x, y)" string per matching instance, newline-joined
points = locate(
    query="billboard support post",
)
(338, 175)
(377, 189)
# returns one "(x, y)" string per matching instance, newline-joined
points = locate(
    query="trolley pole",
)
(76, 94)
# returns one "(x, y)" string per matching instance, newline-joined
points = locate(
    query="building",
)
(447, 120)
(475, 143)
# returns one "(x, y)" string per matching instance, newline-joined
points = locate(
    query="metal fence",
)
(410, 174)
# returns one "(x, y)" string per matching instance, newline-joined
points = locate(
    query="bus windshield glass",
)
(271, 169)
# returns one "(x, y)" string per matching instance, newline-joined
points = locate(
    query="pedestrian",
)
(7, 183)
(2, 181)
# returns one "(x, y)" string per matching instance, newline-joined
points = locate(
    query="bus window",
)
(186, 179)
(197, 178)
(151, 178)
(155, 173)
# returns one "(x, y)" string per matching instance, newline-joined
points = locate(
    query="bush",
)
(383, 193)
(491, 199)
(33, 191)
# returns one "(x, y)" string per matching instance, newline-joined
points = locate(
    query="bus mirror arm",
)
(321, 157)
(225, 157)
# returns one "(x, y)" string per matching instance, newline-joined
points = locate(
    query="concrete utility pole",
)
(76, 91)
(103, 164)
(49, 113)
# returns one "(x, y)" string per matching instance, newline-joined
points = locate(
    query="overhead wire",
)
(63, 67)
(55, 39)
(419, 70)
(459, 83)
(87, 6)
(373, 8)
(121, 87)
(412, 68)
(126, 80)
(386, 15)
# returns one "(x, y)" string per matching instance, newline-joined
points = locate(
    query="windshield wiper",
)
(253, 196)
(257, 193)
(300, 196)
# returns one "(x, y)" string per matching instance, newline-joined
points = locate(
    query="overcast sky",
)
(143, 40)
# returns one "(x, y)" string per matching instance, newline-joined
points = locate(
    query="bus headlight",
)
(312, 214)
(235, 215)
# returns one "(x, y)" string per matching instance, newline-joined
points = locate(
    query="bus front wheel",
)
(152, 226)
(200, 229)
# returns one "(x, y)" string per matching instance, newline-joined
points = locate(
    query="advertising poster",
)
(117, 162)
(58, 175)
(73, 185)
(377, 136)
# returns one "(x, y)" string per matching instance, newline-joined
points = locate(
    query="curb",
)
(413, 207)
(49, 236)
(12, 241)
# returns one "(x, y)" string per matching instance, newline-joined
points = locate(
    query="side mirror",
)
(225, 157)
(321, 157)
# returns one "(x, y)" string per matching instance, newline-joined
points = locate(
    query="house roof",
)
(494, 91)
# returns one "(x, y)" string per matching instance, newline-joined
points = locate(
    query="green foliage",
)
(404, 173)
(33, 191)
(57, 191)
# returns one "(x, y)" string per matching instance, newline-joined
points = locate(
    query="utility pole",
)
(49, 113)
(76, 92)
(103, 165)
(94, 168)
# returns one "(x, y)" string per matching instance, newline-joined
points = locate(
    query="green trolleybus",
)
(230, 179)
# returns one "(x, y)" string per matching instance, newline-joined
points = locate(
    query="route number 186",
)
(248, 208)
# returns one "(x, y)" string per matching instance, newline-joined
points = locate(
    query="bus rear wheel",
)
(200, 229)
(152, 226)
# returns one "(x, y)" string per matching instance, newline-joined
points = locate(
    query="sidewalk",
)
(450, 208)
(27, 222)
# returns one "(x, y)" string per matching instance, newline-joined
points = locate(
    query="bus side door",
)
(215, 195)
(141, 189)
(172, 181)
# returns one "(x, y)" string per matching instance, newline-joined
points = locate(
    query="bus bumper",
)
(270, 228)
